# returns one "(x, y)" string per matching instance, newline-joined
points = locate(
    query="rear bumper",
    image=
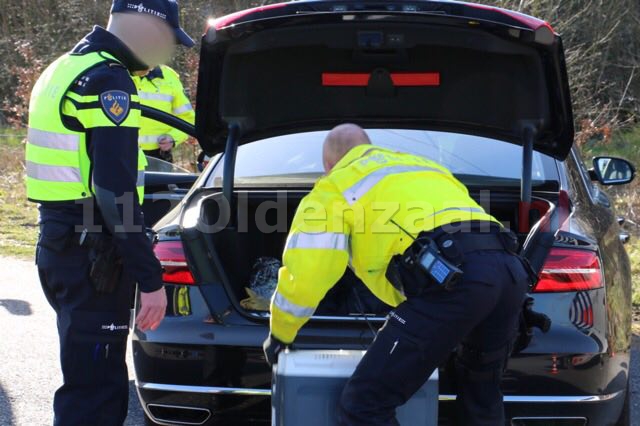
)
(224, 404)
(194, 362)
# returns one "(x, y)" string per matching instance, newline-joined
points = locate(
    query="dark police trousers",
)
(481, 312)
(93, 331)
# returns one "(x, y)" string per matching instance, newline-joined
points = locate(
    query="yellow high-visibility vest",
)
(346, 220)
(165, 93)
(58, 166)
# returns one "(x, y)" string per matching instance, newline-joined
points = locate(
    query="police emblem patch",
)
(115, 104)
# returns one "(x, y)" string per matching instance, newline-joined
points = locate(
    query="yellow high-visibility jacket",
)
(162, 89)
(58, 165)
(346, 220)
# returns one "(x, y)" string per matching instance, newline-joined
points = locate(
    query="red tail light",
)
(174, 263)
(570, 270)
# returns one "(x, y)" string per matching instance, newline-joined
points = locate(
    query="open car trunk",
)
(445, 66)
(432, 65)
(257, 232)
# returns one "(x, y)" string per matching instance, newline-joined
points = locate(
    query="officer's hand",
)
(272, 347)
(152, 309)
(166, 143)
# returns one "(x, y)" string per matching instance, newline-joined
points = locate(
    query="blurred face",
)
(158, 43)
(150, 38)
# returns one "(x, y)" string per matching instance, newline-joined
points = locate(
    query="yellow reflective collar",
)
(354, 154)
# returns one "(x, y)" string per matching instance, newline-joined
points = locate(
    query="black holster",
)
(408, 281)
(106, 264)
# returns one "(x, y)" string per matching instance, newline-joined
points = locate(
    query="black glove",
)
(272, 347)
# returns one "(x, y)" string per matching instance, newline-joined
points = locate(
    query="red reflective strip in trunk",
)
(344, 79)
(416, 79)
(398, 79)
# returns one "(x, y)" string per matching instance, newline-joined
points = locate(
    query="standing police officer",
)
(86, 171)
(403, 223)
(161, 89)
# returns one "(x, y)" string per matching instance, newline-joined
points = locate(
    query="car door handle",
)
(620, 220)
(624, 237)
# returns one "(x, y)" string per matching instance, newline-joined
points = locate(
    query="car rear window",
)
(300, 155)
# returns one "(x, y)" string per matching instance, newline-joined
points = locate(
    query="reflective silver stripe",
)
(579, 271)
(53, 173)
(323, 240)
(184, 108)
(149, 138)
(547, 399)
(291, 308)
(53, 140)
(140, 180)
(147, 96)
(361, 187)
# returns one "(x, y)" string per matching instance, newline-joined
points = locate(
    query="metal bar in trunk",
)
(228, 171)
(528, 138)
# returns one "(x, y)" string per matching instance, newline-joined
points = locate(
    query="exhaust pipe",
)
(178, 414)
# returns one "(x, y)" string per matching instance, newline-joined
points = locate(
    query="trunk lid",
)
(433, 65)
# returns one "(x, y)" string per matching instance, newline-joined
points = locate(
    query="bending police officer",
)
(411, 232)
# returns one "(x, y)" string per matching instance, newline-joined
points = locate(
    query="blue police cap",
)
(166, 10)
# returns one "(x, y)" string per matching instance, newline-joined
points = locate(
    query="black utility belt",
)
(435, 258)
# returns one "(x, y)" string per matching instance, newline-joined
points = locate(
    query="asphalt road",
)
(29, 371)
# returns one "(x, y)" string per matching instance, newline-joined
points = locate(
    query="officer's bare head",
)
(341, 140)
(150, 38)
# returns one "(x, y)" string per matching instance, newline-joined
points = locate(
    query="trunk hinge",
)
(229, 167)
(528, 138)
(529, 133)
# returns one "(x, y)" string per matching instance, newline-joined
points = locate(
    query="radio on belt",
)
(441, 271)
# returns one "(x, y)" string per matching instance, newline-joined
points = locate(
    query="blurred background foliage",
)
(35, 32)
(602, 40)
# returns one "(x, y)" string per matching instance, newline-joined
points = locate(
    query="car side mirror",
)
(612, 171)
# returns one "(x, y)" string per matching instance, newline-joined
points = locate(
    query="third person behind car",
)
(162, 89)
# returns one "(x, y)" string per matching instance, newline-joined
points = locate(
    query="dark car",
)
(482, 91)
(165, 186)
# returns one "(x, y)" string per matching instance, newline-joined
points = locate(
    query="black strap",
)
(473, 242)
(478, 235)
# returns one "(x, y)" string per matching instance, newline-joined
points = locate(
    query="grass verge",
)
(633, 249)
(18, 217)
